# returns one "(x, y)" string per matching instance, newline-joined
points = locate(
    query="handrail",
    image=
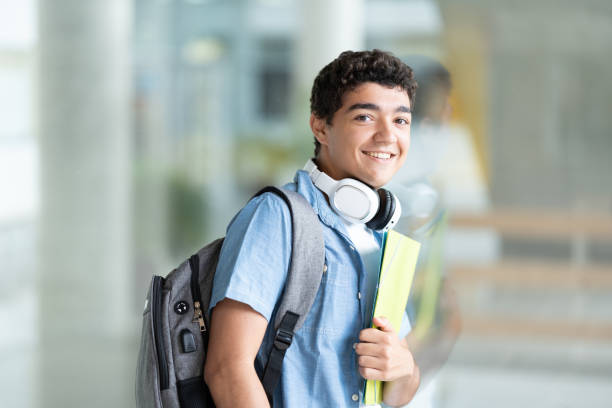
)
(534, 274)
(538, 223)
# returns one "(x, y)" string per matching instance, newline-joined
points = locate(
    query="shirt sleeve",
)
(255, 255)
(406, 326)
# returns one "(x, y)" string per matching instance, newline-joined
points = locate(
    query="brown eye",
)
(402, 121)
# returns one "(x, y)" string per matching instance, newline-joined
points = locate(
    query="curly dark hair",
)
(352, 69)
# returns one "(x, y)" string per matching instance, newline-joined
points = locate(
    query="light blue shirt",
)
(320, 367)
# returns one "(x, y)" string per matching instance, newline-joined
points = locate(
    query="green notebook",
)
(395, 280)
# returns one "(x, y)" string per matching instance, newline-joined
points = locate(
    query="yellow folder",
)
(396, 274)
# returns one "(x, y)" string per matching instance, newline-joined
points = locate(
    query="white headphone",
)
(356, 202)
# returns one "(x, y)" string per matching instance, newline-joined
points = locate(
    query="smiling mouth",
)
(379, 155)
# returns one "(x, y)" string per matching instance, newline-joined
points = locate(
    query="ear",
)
(319, 128)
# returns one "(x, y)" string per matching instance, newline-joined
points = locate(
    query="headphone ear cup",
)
(386, 208)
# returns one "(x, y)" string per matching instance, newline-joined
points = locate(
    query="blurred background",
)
(132, 131)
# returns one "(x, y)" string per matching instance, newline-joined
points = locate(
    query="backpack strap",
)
(303, 280)
(282, 341)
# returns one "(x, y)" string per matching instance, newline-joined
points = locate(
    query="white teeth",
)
(379, 155)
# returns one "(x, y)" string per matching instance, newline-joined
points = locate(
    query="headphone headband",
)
(320, 179)
(355, 201)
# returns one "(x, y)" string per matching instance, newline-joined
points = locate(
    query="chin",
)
(375, 183)
(379, 181)
(373, 180)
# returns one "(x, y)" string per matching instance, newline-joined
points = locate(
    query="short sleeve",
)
(255, 255)
(406, 326)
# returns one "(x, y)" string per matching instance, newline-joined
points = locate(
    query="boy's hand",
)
(382, 354)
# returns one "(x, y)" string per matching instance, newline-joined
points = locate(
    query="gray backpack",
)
(174, 339)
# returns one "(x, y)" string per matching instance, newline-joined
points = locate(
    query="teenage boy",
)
(360, 117)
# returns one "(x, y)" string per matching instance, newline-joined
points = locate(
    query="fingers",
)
(373, 350)
(386, 366)
(382, 355)
(371, 374)
(383, 324)
(374, 336)
(377, 363)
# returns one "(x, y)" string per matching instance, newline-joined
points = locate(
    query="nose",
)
(385, 132)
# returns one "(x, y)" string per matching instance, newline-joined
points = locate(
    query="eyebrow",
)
(372, 106)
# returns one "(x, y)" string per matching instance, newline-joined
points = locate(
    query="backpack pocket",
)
(158, 335)
(152, 371)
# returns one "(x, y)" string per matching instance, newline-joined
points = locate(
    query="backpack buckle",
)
(283, 339)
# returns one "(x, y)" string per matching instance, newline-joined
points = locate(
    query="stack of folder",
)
(398, 264)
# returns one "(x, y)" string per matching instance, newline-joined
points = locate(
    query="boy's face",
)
(369, 135)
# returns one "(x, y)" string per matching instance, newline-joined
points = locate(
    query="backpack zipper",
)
(156, 303)
(198, 315)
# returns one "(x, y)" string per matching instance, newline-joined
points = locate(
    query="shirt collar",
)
(317, 199)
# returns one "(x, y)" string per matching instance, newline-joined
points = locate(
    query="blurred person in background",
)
(441, 168)
(440, 174)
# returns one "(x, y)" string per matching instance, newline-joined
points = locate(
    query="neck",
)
(317, 162)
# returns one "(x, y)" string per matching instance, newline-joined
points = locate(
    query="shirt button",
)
(355, 397)
(325, 268)
(358, 295)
